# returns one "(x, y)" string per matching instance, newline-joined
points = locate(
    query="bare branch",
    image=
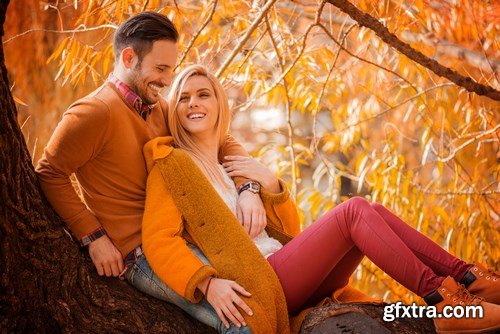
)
(72, 31)
(249, 32)
(372, 23)
(466, 143)
(193, 39)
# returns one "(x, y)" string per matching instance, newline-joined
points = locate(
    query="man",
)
(100, 138)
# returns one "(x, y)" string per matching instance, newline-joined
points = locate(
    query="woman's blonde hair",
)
(182, 138)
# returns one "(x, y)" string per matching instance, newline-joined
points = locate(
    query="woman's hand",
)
(222, 295)
(250, 168)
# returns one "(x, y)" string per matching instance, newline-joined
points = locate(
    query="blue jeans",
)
(142, 277)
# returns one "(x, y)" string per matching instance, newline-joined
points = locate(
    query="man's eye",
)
(160, 69)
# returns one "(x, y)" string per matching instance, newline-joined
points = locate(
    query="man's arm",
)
(232, 147)
(250, 211)
(78, 138)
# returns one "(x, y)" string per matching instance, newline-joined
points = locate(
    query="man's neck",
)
(124, 78)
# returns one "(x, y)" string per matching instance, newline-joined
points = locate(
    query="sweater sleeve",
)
(167, 252)
(232, 147)
(281, 210)
(77, 139)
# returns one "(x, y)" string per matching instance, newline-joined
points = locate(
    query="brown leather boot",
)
(483, 282)
(450, 293)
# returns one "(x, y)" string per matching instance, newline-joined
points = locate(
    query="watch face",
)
(254, 187)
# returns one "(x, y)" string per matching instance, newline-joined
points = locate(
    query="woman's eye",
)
(159, 69)
(183, 99)
(204, 94)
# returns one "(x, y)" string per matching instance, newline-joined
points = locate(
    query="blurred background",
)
(326, 104)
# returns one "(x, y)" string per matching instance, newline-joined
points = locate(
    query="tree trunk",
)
(47, 283)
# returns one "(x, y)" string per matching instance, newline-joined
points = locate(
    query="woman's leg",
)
(439, 260)
(304, 263)
(336, 279)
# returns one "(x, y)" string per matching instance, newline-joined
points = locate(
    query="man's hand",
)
(106, 257)
(251, 213)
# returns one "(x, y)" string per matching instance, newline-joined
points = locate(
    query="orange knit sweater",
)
(100, 138)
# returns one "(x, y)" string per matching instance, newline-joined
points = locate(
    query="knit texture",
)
(225, 243)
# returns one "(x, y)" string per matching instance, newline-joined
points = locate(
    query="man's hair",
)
(141, 30)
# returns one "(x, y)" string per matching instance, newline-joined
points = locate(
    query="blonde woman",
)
(227, 276)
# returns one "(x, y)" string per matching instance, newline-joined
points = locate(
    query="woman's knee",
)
(358, 202)
(377, 206)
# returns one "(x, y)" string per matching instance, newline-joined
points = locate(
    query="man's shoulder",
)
(102, 98)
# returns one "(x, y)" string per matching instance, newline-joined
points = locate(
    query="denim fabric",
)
(142, 277)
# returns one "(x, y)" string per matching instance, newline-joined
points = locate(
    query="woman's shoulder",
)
(157, 149)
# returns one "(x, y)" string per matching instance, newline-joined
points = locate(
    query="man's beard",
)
(136, 85)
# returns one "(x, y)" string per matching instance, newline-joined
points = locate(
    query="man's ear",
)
(129, 57)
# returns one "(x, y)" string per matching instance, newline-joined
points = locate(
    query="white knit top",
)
(266, 245)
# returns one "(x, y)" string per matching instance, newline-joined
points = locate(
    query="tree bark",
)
(47, 284)
(366, 20)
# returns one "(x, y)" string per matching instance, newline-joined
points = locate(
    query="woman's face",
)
(198, 107)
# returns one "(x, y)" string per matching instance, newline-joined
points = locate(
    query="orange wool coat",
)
(182, 205)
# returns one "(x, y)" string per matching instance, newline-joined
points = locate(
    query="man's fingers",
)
(255, 224)
(100, 270)
(239, 214)
(107, 269)
(247, 221)
(121, 265)
(115, 271)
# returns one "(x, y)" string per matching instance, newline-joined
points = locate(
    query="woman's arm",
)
(165, 249)
(244, 166)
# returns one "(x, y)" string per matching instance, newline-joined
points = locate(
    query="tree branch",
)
(249, 32)
(372, 23)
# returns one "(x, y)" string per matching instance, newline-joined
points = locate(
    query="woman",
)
(311, 266)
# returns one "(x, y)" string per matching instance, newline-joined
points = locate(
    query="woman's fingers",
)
(238, 301)
(240, 321)
(221, 316)
(241, 289)
(236, 157)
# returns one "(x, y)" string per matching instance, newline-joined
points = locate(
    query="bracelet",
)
(208, 285)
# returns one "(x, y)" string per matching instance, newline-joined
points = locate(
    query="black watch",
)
(251, 186)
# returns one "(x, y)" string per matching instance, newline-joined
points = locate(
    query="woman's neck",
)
(208, 146)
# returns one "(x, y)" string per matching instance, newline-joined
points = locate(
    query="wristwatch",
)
(251, 186)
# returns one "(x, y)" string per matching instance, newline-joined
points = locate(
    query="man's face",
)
(148, 77)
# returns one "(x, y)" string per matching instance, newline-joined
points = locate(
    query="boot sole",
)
(483, 330)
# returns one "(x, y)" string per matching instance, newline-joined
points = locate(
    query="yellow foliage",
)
(357, 120)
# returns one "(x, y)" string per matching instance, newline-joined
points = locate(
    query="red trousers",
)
(322, 258)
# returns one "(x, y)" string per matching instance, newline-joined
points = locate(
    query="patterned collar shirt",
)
(131, 97)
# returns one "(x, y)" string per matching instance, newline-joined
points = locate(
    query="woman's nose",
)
(193, 103)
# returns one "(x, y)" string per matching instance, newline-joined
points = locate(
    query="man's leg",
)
(142, 277)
